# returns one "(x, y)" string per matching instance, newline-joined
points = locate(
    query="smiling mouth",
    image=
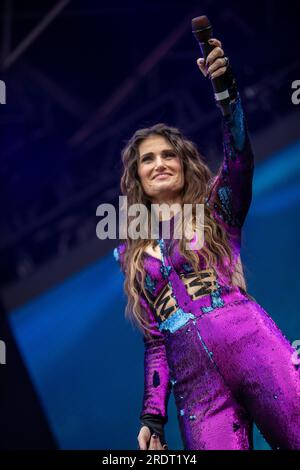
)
(161, 175)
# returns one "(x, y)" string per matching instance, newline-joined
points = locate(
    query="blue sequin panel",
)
(237, 125)
(176, 321)
(216, 301)
(187, 267)
(150, 284)
(116, 254)
(225, 196)
(165, 271)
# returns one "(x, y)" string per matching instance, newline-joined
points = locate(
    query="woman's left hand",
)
(216, 63)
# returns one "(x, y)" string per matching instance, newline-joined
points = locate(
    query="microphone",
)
(224, 86)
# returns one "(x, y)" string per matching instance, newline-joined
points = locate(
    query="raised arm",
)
(231, 190)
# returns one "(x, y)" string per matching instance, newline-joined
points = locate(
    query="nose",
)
(159, 162)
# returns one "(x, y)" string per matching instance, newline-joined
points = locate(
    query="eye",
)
(147, 157)
(171, 154)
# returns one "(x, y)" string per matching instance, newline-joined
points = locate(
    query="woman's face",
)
(160, 169)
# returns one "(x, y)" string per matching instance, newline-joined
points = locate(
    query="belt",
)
(179, 317)
(197, 284)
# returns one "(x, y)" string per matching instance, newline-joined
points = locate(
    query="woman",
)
(204, 335)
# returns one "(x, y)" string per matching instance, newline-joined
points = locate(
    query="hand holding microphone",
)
(215, 64)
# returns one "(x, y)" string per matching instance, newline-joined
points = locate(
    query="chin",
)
(168, 184)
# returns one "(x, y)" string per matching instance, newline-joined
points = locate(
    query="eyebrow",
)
(150, 154)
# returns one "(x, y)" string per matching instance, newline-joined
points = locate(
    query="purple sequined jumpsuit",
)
(227, 361)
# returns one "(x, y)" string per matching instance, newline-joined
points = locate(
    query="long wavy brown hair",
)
(198, 179)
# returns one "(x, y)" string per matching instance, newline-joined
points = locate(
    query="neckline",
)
(160, 225)
(152, 256)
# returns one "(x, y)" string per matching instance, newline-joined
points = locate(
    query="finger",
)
(215, 42)
(159, 444)
(142, 444)
(143, 438)
(201, 65)
(220, 62)
(142, 447)
(213, 55)
(154, 442)
(219, 72)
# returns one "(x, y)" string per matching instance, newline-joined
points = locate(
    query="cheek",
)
(180, 171)
(142, 173)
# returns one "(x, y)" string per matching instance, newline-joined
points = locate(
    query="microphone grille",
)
(200, 22)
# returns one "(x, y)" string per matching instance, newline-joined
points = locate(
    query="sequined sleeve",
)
(231, 192)
(157, 384)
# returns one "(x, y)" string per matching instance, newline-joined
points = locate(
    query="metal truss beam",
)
(130, 84)
(34, 34)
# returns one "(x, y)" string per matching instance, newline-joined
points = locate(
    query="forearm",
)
(237, 146)
(238, 165)
(231, 193)
(157, 385)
